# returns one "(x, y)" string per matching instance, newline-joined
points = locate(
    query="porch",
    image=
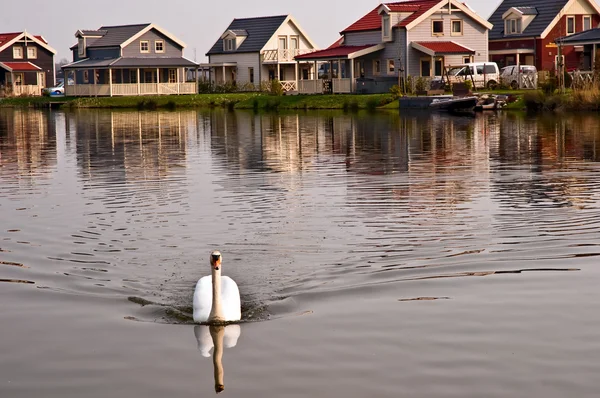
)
(434, 57)
(123, 78)
(21, 79)
(337, 69)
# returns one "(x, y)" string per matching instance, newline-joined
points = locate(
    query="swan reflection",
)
(217, 337)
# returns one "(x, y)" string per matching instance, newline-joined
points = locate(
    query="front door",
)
(426, 67)
(438, 66)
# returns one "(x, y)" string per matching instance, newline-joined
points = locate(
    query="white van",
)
(485, 74)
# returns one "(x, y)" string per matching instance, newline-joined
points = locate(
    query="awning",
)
(341, 52)
(158, 62)
(20, 67)
(434, 48)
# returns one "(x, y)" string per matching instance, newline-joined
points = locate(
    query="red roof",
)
(445, 47)
(334, 52)
(6, 37)
(20, 66)
(372, 21)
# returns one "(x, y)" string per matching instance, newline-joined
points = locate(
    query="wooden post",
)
(352, 87)
(196, 89)
(138, 81)
(109, 81)
(224, 74)
(297, 77)
(157, 81)
(178, 81)
(95, 87)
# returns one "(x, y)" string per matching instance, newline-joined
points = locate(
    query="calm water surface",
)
(377, 255)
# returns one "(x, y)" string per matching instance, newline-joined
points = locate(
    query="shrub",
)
(350, 106)
(469, 84)
(372, 104)
(395, 91)
(420, 84)
(276, 88)
(205, 87)
(147, 104)
(550, 85)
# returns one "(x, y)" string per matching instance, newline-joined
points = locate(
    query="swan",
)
(216, 297)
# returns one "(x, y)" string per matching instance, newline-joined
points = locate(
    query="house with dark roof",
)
(401, 39)
(126, 60)
(255, 50)
(26, 64)
(525, 32)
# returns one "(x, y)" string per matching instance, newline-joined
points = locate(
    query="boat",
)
(455, 104)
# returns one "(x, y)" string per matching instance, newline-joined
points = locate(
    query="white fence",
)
(29, 90)
(91, 90)
(340, 86)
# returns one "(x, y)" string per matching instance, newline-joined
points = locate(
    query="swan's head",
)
(215, 260)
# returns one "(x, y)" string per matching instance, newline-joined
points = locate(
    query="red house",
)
(26, 63)
(525, 31)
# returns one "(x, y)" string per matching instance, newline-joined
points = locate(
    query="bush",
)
(372, 104)
(420, 84)
(550, 85)
(350, 106)
(276, 88)
(205, 87)
(147, 104)
(395, 91)
(469, 84)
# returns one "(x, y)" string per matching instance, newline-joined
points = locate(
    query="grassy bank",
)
(254, 101)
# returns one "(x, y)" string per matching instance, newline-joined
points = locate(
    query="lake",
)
(380, 255)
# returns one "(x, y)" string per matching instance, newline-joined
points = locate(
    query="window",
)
(229, 45)
(81, 47)
(19, 79)
(133, 76)
(426, 67)
(86, 76)
(376, 67)
(144, 46)
(466, 60)
(283, 43)
(391, 67)
(294, 43)
(512, 26)
(172, 75)
(31, 52)
(385, 25)
(251, 75)
(457, 27)
(570, 25)
(159, 46)
(437, 27)
(17, 52)
(438, 67)
(587, 22)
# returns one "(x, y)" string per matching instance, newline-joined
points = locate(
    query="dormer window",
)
(81, 47)
(229, 44)
(386, 27)
(512, 26)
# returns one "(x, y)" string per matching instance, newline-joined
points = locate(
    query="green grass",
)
(254, 101)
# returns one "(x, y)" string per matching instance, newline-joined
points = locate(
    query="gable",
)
(151, 37)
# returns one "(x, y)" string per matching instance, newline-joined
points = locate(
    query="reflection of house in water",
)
(132, 145)
(27, 141)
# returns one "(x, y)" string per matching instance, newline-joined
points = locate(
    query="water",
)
(377, 255)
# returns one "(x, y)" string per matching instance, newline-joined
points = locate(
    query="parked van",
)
(522, 76)
(484, 74)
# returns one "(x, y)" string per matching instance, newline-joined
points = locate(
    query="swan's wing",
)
(202, 299)
(230, 296)
(232, 334)
(204, 339)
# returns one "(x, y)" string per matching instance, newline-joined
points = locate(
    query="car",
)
(59, 89)
(519, 76)
(482, 74)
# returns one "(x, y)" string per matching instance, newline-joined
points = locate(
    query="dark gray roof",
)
(158, 62)
(589, 36)
(527, 10)
(93, 32)
(240, 32)
(115, 35)
(259, 30)
(547, 10)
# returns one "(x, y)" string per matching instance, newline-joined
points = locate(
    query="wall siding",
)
(288, 29)
(103, 53)
(244, 62)
(362, 38)
(171, 48)
(475, 36)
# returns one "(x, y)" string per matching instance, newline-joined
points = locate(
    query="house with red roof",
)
(400, 39)
(26, 64)
(525, 33)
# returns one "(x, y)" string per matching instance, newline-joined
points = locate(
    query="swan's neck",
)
(217, 333)
(216, 312)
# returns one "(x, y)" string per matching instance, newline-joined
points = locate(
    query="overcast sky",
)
(197, 23)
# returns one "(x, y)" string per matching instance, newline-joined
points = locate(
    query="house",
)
(128, 60)
(26, 63)
(401, 39)
(255, 50)
(525, 31)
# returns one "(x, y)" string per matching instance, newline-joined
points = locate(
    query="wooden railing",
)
(289, 85)
(282, 55)
(342, 86)
(29, 90)
(582, 79)
(90, 90)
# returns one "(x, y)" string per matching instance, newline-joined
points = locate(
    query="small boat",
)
(455, 104)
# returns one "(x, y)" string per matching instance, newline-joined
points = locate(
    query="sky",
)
(197, 23)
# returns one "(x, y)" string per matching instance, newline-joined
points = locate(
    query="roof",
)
(20, 66)
(341, 52)
(113, 35)
(527, 10)
(372, 21)
(259, 31)
(546, 11)
(128, 62)
(588, 36)
(441, 47)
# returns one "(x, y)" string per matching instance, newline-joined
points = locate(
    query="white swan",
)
(216, 298)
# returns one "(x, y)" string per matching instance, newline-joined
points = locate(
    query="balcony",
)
(282, 55)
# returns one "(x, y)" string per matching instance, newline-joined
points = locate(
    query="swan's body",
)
(216, 298)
